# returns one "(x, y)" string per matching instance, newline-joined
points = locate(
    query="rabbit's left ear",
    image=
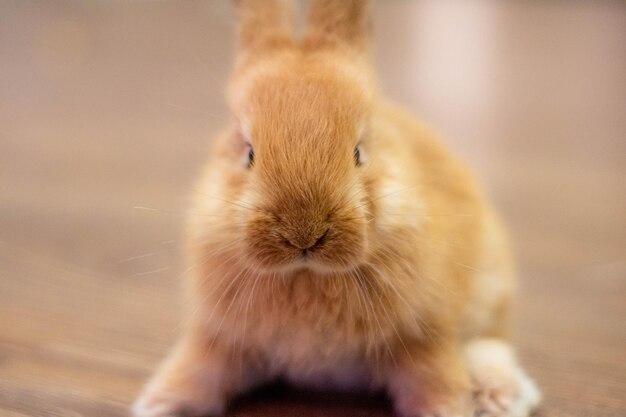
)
(262, 25)
(338, 24)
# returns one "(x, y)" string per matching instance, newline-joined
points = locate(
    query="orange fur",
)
(409, 264)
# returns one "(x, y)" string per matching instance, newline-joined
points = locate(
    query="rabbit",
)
(334, 242)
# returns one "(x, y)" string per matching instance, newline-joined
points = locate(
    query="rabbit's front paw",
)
(506, 395)
(501, 387)
(162, 401)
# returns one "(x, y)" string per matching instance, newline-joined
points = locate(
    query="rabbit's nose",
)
(304, 242)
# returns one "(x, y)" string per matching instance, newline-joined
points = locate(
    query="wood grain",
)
(107, 106)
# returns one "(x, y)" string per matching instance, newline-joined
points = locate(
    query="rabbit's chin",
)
(309, 263)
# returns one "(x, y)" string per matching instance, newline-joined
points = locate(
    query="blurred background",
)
(107, 109)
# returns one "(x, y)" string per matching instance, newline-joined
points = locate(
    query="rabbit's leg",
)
(501, 387)
(430, 383)
(196, 379)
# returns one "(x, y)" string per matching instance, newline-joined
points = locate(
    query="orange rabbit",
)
(335, 243)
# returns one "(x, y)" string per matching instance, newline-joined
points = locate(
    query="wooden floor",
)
(109, 106)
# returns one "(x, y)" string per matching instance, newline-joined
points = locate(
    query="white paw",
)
(157, 401)
(501, 387)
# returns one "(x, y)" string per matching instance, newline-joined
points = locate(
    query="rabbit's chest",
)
(326, 356)
(317, 330)
(323, 332)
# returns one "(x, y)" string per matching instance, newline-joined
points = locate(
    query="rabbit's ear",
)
(337, 23)
(262, 25)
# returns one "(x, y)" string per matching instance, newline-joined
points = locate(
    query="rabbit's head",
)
(300, 142)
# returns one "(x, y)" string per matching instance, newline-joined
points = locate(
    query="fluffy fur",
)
(386, 272)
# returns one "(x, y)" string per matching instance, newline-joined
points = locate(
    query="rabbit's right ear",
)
(262, 25)
(338, 23)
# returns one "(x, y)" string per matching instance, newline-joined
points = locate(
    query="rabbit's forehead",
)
(296, 81)
(307, 112)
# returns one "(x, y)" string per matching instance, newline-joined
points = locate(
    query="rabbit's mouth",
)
(337, 248)
(311, 259)
(311, 262)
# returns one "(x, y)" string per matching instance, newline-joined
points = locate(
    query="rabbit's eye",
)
(247, 156)
(357, 156)
(250, 157)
